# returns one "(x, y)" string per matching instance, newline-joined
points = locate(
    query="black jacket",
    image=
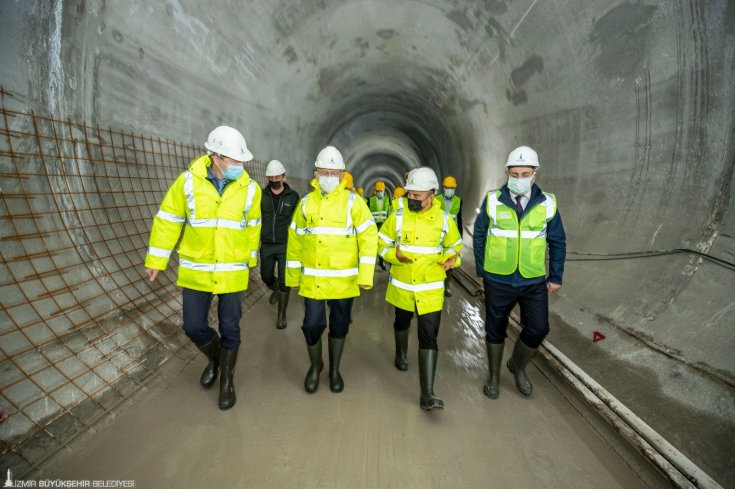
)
(276, 221)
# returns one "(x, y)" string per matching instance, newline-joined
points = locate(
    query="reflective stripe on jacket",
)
(221, 233)
(512, 244)
(428, 238)
(332, 245)
(380, 210)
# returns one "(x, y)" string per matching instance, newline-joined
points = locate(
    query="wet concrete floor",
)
(372, 435)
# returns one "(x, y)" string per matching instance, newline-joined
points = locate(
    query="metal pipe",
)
(680, 470)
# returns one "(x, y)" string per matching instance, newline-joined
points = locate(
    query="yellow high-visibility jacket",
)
(428, 238)
(398, 203)
(221, 233)
(332, 245)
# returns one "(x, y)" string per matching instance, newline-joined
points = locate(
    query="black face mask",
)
(414, 205)
(275, 185)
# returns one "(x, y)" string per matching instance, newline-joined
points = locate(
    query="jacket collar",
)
(199, 168)
(318, 189)
(536, 196)
(286, 189)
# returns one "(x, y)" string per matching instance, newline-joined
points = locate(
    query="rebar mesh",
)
(80, 328)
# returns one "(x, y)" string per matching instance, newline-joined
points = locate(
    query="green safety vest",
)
(453, 208)
(513, 245)
(380, 212)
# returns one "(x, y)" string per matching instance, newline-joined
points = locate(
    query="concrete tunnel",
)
(629, 105)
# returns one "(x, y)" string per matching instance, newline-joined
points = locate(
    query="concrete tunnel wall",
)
(629, 105)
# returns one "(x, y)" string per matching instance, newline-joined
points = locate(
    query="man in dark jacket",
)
(277, 206)
(513, 229)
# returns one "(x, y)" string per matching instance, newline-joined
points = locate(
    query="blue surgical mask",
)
(233, 172)
(520, 186)
(380, 194)
(449, 193)
(328, 183)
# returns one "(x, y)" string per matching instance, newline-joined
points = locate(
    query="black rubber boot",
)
(211, 350)
(311, 382)
(282, 305)
(335, 354)
(517, 364)
(494, 358)
(228, 359)
(274, 294)
(427, 369)
(401, 361)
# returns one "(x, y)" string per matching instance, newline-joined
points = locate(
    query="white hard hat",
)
(274, 168)
(228, 141)
(330, 158)
(422, 179)
(522, 156)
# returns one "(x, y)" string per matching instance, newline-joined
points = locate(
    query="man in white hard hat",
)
(332, 245)
(422, 243)
(277, 206)
(515, 226)
(217, 206)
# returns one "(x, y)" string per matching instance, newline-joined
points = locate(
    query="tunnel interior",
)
(628, 104)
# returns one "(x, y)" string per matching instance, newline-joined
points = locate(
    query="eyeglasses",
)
(328, 173)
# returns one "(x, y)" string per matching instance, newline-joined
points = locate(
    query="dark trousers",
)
(500, 299)
(428, 326)
(196, 318)
(315, 318)
(270, 255)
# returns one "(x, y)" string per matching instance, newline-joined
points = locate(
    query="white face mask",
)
(520, 186)
(449, 193)
(328, 183)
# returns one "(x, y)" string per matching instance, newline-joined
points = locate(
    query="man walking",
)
(421, 241)
(332, 243)
(277, 207)
(513, 230)
(218, 207)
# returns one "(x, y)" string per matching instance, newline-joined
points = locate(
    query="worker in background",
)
(515, 226)
(361, 193)
(398, 198)
(349, 182)
(453, 205)
(332, 244)
(277, 206)
(421, 241)
(218, 207)
(380, 206)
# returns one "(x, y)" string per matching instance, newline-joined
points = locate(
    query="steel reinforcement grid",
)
(81, 329)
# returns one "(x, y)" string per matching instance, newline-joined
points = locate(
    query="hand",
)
(449, 264)
(365, 287)
(552, 287)
(401, 257)
(295, 289)
(152, 274)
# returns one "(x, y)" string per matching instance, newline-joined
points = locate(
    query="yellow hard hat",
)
(450, 182)
(399, 192)
(348, 179)
(360, 191)
(379, 185)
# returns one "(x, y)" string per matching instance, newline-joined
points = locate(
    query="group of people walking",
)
(326, 244)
